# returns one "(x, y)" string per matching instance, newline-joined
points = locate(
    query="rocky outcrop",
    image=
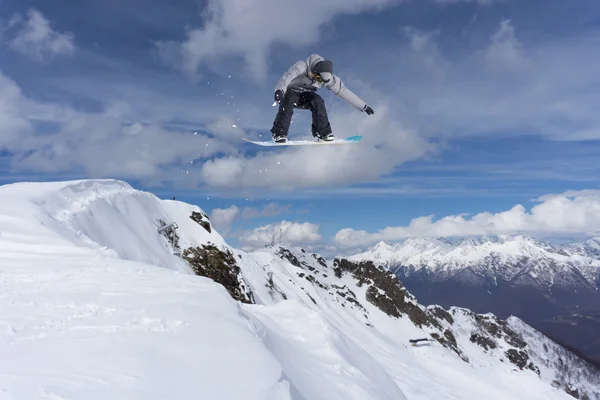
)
(388, 294)
(202, 219)
(220, 266)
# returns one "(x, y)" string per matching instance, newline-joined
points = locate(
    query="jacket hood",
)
(313, 60)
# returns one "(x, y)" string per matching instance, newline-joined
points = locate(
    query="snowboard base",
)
(271, 143)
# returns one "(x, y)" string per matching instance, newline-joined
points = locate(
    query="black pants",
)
(304, 101)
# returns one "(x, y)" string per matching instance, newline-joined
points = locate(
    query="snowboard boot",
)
(328, 137)
(279, 138)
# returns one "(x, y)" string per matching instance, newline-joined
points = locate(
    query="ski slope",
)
(95, 305)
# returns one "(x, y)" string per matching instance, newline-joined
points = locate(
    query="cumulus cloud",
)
(55, 138)
(284, 232)
(226, 127)
(222, 218)
(386, 144)
(35, 37)
(13, 125)
(240, 28)
(503, 84)
(575, 212)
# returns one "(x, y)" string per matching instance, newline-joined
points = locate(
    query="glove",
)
(278, 96)
(369, 110)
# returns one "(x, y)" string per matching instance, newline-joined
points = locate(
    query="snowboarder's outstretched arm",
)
(336, 85)
(292, 73)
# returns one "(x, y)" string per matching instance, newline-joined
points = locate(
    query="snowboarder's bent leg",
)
(281, 125)
(320, 122)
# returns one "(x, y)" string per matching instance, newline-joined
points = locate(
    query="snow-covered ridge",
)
(505, 257)
(105, 217)
(96, 305)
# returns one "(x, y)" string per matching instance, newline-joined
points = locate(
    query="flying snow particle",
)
(278, 162)
(234, 126)
(195, 133)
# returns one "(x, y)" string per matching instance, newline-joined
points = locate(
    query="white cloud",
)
(505, 85)
(505, 50)
(386, 144)
(284, 232)
(241, 28)
(101, 144)
(36, 38)
(226, 127)
(222, 218)
(424, 46)
(570, 193)
(575, 212)
(14, 127)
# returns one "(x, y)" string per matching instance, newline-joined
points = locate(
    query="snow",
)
(96, 329)
(544, 262)
(550, 357)
(95, 306)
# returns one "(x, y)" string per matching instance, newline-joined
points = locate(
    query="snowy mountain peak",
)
(499, 257)
(425, 243)
(382, 246)
(594, 244)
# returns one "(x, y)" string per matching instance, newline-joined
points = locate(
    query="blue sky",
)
(479, 106)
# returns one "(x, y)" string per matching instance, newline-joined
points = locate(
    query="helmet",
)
(323, 71)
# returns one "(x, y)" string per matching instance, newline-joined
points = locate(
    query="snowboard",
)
(271, 143)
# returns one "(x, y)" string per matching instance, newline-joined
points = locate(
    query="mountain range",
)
(553, 287)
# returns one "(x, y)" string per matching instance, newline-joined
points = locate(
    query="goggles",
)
(320, 78)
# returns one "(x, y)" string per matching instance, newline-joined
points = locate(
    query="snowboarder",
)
(297, 89)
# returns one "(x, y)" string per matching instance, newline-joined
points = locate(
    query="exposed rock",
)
(320, 260)
(500, 329)
(313, 280)
(521, 359)
(485, 342)
(575, 393)
(385, 292)
(202, 219)
(440, 313)
(211, 262)
(274, 288)
(288, 255)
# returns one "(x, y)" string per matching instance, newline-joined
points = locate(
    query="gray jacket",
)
(296, 78)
